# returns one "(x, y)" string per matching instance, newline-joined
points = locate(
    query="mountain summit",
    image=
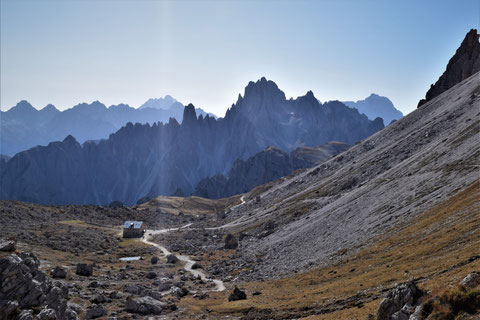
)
(462, 65)
(376, 106)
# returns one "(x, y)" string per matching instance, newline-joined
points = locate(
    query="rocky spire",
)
(464, 63)
(189, 114)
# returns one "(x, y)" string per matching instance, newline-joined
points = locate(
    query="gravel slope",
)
(389, 178)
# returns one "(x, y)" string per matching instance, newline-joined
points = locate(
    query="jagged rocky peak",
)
(464, 63)
(189, 114)
(263, 88)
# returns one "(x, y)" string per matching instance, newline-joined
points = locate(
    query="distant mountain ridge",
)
(265, 166)
(23, 127)
(376, 106)
(159, 159)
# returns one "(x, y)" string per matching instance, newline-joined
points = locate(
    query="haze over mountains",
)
(144, 160)
(23, 127)
(376, 106)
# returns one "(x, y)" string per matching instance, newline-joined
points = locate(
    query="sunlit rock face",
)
(161, 159)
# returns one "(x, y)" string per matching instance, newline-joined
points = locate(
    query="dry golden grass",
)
(434, 248)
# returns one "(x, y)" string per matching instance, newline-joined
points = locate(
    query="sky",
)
(206, 52)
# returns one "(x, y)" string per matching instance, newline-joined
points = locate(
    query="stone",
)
(25, 315)
(172, 259)
(196, 265)
(151, 275)
(75, 307)
(399, 302)
(100, 299)
(133, 289)
(84, 269)
(47, 314)
(58, 273)
(8, 309)
(230, 242)
(145, 305)
(7, 245)
(154, 260)
(237, 294)
(471, 280)
(179, 292)
(96, 311)
(164, 286)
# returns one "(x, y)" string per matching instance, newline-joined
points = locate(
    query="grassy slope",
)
(435, 248)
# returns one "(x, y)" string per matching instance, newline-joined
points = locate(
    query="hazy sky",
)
(205, 52)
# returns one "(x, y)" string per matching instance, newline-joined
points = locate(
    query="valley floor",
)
(437, 249)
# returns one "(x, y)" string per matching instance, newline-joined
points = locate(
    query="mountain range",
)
(23, 127)
(148, 160)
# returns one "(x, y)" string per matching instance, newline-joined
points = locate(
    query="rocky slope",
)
(23, 127)
(376, 106)
(162, 159)
(399, 172)
(263, 167)
(462, 65)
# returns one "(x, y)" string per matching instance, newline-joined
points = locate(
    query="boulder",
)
(237, 294)
(400, 302)
(231, 242)
(84, 269)
(196, 265)
(100, 299)
(75, 307)
(471, 280)
(96, 311)
(171, 258)
(151, 275)
(8, 309)
(47, 314)
(146, 305)
(23, 285)
(25, 315)
(133, 289)
(154, 260)
(7, 245)
(179, 292)
(58, 273)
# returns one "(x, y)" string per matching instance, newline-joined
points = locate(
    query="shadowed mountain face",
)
(462, 65)
(143, 160)
(23, 126)
(263, 167)
(376, 106)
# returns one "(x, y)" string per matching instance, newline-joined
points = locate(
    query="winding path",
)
(184, 258)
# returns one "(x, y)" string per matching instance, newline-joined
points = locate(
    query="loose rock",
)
(237, 294)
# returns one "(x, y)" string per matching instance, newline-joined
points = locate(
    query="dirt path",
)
(184, 258)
